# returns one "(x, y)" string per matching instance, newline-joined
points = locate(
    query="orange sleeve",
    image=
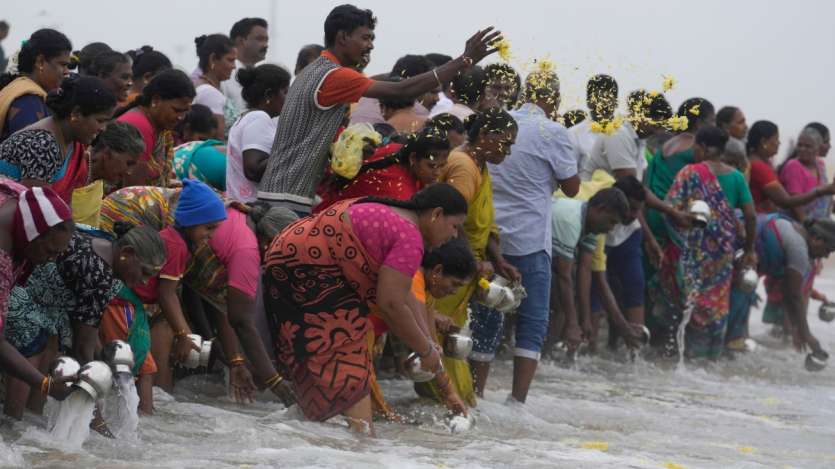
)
(342, 86)
(419, 287)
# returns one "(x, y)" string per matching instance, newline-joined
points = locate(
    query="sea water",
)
(121, 407)
(72, 420)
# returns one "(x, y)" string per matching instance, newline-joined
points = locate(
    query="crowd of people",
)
(330, 229)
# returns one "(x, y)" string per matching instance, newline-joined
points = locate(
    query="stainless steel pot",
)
(415, 372)
(748, 280)
(701, 211)
(827, 312)
(119, 355)
(816, 361)
(96, 379)
(458, 345)
(65, 366)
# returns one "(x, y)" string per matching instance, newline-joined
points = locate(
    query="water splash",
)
(120, 410)
(72, 421)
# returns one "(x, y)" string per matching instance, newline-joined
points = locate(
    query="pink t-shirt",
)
(389, 238)
(140, 121)
(236, 246)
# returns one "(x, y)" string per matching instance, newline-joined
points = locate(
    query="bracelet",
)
(46, 384)
(277, 378)
(435, 72)
(468, 61)
(182, 333)
(237, 360)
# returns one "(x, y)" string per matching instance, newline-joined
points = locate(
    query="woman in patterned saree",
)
(697, 270)
(325, 271)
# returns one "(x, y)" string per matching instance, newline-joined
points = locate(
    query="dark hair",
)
(423, 143)
(574, 117)
(148, 60)
(697, 111)
(822, 228)
(822, 129)
(502, 71)
(213, 44)
(438, 59)
(652, 106)
(631, 188)
(307, 54)
(144, 240)
(82, 59)
(388, 133)
(105, 63)
(346, 18)
(440, 195)
(411, 65)
(262, 81)
(602, 94)
(446, 122)
(455, 258)
(120, 137)
(88, 94)
(493, 119)
(711, 136)
(168, 84)
(198, 119)
(399, 101)
(46, 42)
(4, 25)
(759, 132)
(611, 199)
(468, 84)
(725, 116)
(243, 27)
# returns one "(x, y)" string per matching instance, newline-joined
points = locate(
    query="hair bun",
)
(200, 40)
(246, 76)
(121, 228)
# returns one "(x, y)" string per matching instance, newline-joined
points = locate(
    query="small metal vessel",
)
(748, 280)
(119, 356)
(65, 366)
(205, 352)
(96, 379)
(458, 345)
(701, 211)
(827, 312)
(816, 361)
(414, 370)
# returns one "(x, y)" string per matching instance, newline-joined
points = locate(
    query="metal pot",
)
(96, 379)
(458, 345)
(816, 361)
(193, 360)
(827, 312)
(414, 370)
(205, 352)
(119, 356)
(701, 211)
(748, 280)
(495, 294)
(65, 366)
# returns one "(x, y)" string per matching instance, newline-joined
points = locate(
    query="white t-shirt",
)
(584, 140)
(232, 90)
(621, 150)
(255, 130)
(210, 97)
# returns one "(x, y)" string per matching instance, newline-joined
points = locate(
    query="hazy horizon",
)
(771, 59)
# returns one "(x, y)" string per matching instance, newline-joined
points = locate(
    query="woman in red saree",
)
(395, 171)
(325, 271)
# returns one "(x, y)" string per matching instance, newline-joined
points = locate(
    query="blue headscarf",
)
(198, 205)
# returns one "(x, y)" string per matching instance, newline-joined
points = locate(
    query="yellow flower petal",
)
(598, 445)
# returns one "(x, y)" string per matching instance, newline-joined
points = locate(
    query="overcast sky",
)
(775, 59)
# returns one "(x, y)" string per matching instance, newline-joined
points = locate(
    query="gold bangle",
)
(468, 61)
(237, 360)
(45, 385)
(276, 378)
(278, 381)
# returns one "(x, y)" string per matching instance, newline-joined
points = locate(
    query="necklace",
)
(215, 83)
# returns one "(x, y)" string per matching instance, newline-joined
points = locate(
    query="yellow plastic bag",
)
(347, 151)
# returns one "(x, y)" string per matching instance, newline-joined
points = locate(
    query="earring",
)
(268, 100)
(212, 67)
(122, 258)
